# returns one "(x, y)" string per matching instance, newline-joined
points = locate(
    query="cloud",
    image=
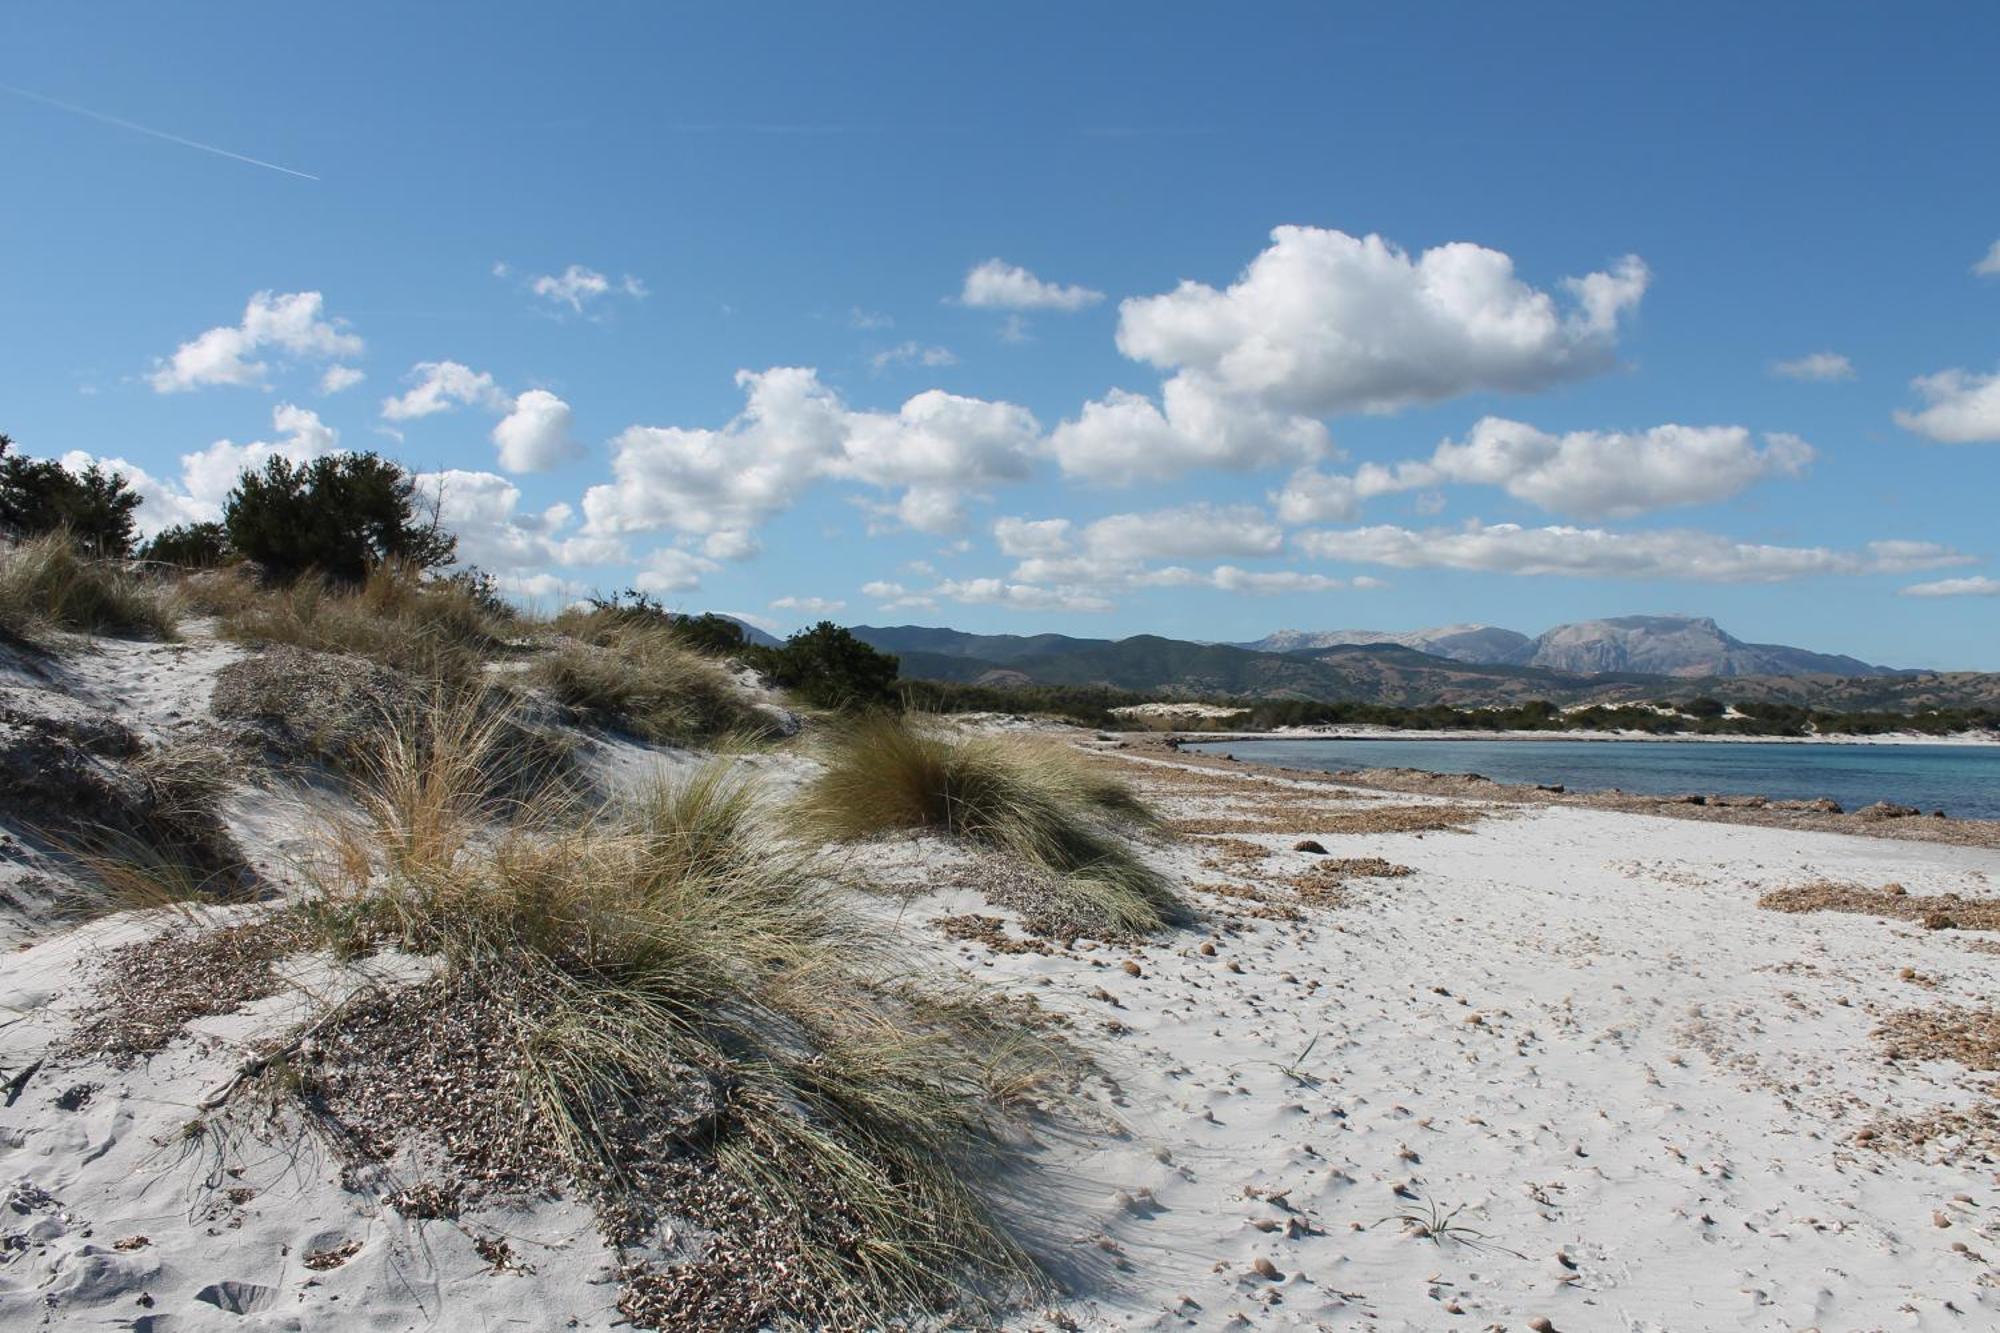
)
(208, 475)
(1276, 582)
(868, 320)
(730, 545)
(495, 533)
(1040, 536)
(1324, 323)
(1190, 531)
(1700, 557)
(1018, 596)
(998, 285)
(1989, 265)
(1590, 474)
(535, 435)
(1123, 438)
(671, 569)
(1816, 366)
(1964, 408)
(292, 324)
(809, 606)
(577, 287)
(1978, 586)
(937, 449)
(337, 378)
(912, 353)
(1602, 474)
(1311, 496)
(438, 386)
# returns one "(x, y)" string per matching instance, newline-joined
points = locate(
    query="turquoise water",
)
(1961, 780)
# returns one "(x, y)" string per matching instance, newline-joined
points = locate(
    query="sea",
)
(1961, 780)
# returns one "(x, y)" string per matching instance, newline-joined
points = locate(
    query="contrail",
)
(74, 109)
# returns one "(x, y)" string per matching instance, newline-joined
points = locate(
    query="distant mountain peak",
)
(1663, 644)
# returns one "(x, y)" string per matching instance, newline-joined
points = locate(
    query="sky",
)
(1101, 319)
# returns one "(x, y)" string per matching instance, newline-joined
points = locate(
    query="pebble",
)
(1266, 1269)
(1132, 969)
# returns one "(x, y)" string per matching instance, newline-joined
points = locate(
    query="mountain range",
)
(1691, 646)
(1609, 661)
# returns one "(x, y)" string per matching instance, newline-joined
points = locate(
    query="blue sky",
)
(1318, 316)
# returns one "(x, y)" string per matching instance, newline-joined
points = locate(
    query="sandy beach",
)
(1473, 1064)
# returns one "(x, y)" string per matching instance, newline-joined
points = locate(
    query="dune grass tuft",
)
(644, 679)
(47, 584)
(429, 628)
(1032, 799)
(694, 1030)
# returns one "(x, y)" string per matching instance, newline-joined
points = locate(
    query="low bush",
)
(433, 629)
(1033, 800)
(47, 583)
(829, 668)
(680, 1027)
(189, 545)
(643, 679)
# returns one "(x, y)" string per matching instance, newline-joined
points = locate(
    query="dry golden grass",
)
(627, 950)
(643, 679)
(431, 630)
(1319, 820)
(1032, 800)
(1945, 911)
(47, 584)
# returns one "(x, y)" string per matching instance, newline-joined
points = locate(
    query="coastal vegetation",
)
(1034, 800)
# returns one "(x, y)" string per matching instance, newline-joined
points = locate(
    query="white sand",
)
(1662, 1086)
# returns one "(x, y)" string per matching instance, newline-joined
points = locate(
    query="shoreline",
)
(1373, 733)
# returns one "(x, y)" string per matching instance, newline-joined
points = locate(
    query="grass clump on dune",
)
(677, 1025)
(1033, 800)
(644, 679)
(46, 583)
(434, 629)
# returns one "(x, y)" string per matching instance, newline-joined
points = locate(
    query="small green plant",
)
(1426, 1219)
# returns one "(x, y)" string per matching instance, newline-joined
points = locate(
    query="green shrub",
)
(337, 516)
(830, 668)
(189, 545)
(39, 495)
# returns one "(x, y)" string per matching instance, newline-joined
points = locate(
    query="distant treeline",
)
(1693, 717)
(1092, 706)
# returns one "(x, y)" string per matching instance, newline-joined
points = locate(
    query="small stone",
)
(1938, 1219)
(1264, 1268)
(1208, 948)
(1132, 969)
(1541, 1323)
(1309, 845)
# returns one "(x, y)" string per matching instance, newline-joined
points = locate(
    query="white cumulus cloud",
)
(1124, 438)
(535, 436)
(1701, 557)
(1964, 408)
(292, 324)
(937, 449)
(1989, 264)
(912, 354)
(1815, 366)
(438, 386)
(998, 285)
(337, 378)
(1323, 323)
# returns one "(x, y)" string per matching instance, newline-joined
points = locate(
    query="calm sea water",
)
(1961, 780)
